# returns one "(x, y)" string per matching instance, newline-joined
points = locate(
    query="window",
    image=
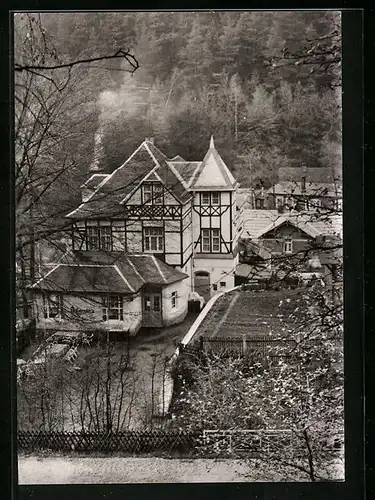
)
(147, 193)
(157, 303)
(152, 303)
(105, 238)
(288, 246)
(99, 238)
(113, 307)
(174, 299)
(153, 239)
(279, 202)
(153, 194)
(210, 198)
(223, 284)
(52, 305)
(205, 198)
(92, 238)
(210, 240)
(215, 234)
(158, 194)
(214, 287)
(259, 203)
(301, 204)
(316, 203)
(215, 198)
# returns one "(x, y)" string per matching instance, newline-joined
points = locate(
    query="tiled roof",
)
(113, 272)
(186, 169)
(213, 168)
(167, 175)
(258, 222)
(312, 189)
(107, 198)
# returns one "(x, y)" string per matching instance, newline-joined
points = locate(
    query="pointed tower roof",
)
(212, 173)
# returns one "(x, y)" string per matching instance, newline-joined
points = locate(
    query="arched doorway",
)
(202, 284)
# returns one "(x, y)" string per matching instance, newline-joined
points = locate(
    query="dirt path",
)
(34, 470)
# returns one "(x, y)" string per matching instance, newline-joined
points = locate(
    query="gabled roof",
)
(115, 272)
(296, 221)
(257, 223)
(212, 173)
(106, 199)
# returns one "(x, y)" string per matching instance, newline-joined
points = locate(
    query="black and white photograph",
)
(178, 246)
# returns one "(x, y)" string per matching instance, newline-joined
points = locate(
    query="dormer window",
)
(288, 246)
(210, 198)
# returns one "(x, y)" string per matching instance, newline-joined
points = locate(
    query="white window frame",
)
(214, 201)
(52, 300)
(147, 194)
(206, 201)
(153, 239)
(113, 308)
(288, 246)
(174, 298)
(210, 198)
(105, 238)
(92, 238)
(158, 194)
(210, 240)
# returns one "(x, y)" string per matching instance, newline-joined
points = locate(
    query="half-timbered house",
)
(177, 216)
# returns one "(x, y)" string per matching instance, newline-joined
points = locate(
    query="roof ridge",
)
(123, 277)
(151, 153)
(134, 267)
(158, 268)
(45, 276)
(178, 175)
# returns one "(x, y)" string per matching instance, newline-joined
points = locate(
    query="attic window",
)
(152, 194)
(288, 246)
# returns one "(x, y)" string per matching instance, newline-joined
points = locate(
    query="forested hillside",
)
(226, 74)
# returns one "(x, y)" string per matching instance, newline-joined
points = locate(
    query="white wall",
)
(177, 314)
(89, 314)
(221, 270)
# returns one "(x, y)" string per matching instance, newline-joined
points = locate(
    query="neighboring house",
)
(110, 291)
(267, 234)
(175, 216)
(304, 196)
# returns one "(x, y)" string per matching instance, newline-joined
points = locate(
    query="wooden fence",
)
(262, 346)
(224, 443)
(134, 441)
